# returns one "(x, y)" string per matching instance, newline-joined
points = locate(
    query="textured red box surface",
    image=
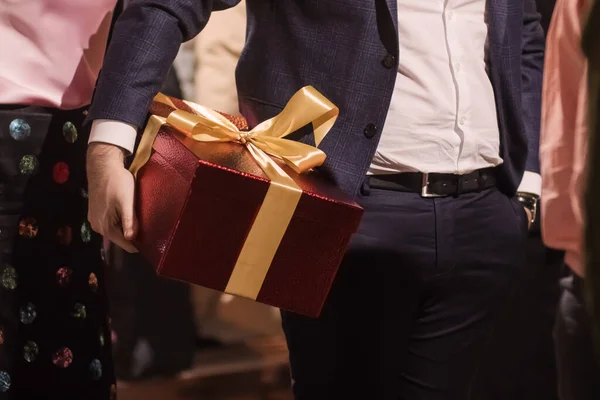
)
(197, 201)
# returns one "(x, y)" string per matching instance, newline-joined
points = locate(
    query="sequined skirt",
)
(54, 334)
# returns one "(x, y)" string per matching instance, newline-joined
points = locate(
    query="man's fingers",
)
(528, 213)
(128, 221)
(126, 210)
(95, 224)
(116, 236)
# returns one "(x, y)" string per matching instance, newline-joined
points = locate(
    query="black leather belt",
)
(434, 184)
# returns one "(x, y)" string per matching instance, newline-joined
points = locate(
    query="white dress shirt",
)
(442, 116)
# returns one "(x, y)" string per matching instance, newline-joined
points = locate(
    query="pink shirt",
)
(564, 133)
(51, 51)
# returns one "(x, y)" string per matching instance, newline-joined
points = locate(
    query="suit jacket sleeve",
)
(144, 43)
(532, 66)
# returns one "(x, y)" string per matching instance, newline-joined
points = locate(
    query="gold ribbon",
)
(266, 140)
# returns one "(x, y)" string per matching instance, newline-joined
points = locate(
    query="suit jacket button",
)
(370, 131)
(389, 61)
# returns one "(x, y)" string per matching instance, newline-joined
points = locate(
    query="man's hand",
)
(111, 188)
(528, 213)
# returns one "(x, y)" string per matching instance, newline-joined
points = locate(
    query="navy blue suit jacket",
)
(336, 46)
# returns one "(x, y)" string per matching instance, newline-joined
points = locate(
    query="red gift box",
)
(212, 213)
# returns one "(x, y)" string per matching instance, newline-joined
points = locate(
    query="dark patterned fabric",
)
(55, 340)
(338, 47)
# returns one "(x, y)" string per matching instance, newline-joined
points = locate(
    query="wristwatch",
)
(529, 201)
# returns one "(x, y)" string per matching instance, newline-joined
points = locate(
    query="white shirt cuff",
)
(531, 183)
(114, 132)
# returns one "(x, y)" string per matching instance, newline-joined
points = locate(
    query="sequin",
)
(96, 369)
(9, 278)
(30, 351)
(101, 339)
(113, 392)
(5, 382)
(60, 172)
(86, 232)
(1, 336)
(79, 311)
(93, 282)
(28, 313)
(103, 254)
(63, 276)
(19, 129)
(70, 132)
(28, 228)
(84, 193)
(65, 235)
(63, 357)
(29, 165)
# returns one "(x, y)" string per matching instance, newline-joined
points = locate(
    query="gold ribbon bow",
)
(266, 140)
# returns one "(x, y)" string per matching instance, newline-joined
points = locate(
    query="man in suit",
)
(437, 139)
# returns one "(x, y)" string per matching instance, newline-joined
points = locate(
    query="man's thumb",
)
(129, 221)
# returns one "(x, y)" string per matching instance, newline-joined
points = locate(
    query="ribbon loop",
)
(307, 106)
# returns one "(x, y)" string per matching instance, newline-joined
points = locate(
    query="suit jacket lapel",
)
(387, 24)
(393, 7)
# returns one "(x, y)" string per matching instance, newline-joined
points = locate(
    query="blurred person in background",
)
(591, 48)
(185, 68)
(54, 328)
(218, 49)
(563, 152)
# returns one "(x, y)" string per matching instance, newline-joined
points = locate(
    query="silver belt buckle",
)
(425, 188)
